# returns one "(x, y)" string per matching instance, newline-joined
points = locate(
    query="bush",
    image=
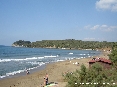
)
(94, 75)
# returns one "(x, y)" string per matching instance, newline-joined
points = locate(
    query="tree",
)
(71, 43)
(113, 57)
(96, 74)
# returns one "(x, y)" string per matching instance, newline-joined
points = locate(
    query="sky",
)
(36, 20)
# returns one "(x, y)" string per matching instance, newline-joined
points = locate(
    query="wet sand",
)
(54, 71)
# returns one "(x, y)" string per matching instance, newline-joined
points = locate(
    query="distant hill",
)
(66, 44)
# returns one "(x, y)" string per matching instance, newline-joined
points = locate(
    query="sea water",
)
(15, 60)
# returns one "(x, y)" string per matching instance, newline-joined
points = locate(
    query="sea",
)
(14, 60)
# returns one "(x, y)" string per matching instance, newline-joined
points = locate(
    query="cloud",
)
(87, 27)
(107, 28)
(101, 27)
(107, 5)
(95, 27)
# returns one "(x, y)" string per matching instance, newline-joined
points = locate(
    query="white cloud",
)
(107, 5)
(95, 27)
(108, 28)
(87, 27)
(103, 27)
(113, 27)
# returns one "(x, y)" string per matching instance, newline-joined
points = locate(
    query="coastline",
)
(54, 71)
(24, 73)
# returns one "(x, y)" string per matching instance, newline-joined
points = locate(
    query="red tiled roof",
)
(101, 60)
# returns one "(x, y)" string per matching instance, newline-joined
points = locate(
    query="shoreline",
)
(24, 73)
(54, 70)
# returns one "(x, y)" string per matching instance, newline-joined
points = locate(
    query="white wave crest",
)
(50, 56)
(60, 60)
(19, 71)
(25, 59)
(70, 53)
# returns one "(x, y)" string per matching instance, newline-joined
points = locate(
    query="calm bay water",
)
(16, 60)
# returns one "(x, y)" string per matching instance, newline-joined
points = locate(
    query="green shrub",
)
(94, 75)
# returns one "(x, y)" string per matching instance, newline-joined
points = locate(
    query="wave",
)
(60, 60)
(20, 71)
(83, 54)
(12, 73)
(50, 56)
(35, 63)
(70, 53)
(25, 59)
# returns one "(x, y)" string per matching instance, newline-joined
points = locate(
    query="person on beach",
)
(46, 77)
(27, 72)
(44, 81)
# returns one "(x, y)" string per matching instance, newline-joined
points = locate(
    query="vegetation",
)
(22, 43)
(94, 77)
(68, 43)
(113, 56)
(96, 74)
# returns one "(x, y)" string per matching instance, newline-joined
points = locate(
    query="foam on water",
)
(20, 71)
(50, 56)
(2, 76)
(25, 59)
(83, 54)
(71, 53)
(60, 60)
(17, 60)
(15, 72)
(12, 73)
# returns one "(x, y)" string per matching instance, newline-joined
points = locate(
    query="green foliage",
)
(113, 56)
(22, 43)
(94, 75)
(68, 43)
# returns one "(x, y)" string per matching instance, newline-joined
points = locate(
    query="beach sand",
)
(54, 71)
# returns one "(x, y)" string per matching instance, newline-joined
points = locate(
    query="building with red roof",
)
(104, 62)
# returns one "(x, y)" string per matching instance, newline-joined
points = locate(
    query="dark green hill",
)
(68, 44)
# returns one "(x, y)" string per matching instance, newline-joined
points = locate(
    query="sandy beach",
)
(54, 71)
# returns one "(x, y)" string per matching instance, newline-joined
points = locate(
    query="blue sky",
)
(35, 20)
